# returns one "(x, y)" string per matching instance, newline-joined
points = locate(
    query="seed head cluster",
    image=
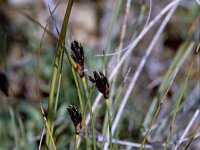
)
(76, 118)
(101, 82)
(3, 83)
(77, 54)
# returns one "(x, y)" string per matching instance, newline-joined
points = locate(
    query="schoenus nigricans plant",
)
(3, 83)
(77, 54)
(76, 118)
(101, 82)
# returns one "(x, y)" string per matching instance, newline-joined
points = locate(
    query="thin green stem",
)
(88, 100)
(109, 122)
(178, 104)
(85, 85)
(57, 94)
(105, 125)
(76, 142)
(90, 110)
(58, 88)
(152, 122)
(78, 90)
(93, 126)
(59, 82)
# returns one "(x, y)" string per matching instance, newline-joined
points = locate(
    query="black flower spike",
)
(76, 118)
(77, 54)
(101, 82)
(3, 83)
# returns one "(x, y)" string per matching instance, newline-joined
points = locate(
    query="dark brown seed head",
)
(76, 118)
(77, 54)
(101, 82)
(3, 83)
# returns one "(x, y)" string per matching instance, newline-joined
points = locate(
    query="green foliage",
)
(145, 117)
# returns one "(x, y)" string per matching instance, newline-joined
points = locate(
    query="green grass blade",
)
(55, 67)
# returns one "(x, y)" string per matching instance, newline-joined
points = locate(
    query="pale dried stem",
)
(195, 116)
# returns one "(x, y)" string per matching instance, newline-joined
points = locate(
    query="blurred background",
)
(22, 46)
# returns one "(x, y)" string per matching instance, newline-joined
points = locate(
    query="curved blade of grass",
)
(55, 67)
